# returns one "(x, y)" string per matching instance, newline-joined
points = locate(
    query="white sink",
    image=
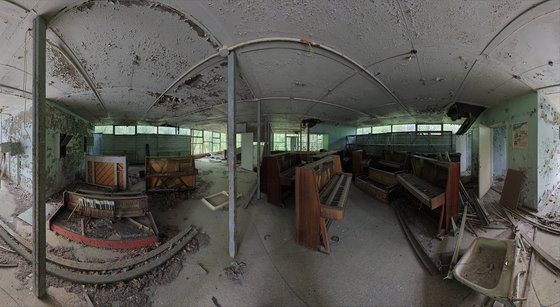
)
(487, 267)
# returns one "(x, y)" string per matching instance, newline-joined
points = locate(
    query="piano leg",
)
(440, 230)
(323, 226)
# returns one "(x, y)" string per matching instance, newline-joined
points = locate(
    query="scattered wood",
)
(542, 253)
(88, 300)
(82, 226)
(202, 267)
(6, 249)
(235, 271)
(215, 301)
(512, 189)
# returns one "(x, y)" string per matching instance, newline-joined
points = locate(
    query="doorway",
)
(499, 155)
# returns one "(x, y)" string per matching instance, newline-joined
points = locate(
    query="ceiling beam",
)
(72, 59)
(536, 11)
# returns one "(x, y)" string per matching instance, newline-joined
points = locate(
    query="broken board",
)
(512, 189)
(218, 200)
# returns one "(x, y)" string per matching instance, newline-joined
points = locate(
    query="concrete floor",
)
(371, 264)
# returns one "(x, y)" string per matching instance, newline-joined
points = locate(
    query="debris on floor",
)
(235, 271)
(215, 301)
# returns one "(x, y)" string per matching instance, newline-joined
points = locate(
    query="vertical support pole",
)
(39, 148)
(259, 149)
(231, 157)
(308, 145)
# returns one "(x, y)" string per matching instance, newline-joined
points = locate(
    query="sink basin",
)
(487, 267)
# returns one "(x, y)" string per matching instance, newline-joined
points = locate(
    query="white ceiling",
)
(344, 62)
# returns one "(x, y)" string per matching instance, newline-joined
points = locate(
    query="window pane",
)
(451, 127)
(381, 129)
(167, 130)
(125, 130)
(103, 129)
(146, 129)
(364, 130)
(404, 128)
(196, 132)
(184, 131)
(430, 127)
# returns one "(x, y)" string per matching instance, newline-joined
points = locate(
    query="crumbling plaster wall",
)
(548, 147)
(59, 171)
(518, 110)
(336, 134)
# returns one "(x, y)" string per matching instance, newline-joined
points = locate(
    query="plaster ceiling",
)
(344, 62)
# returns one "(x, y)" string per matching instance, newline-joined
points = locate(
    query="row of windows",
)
(132, 130)
(408, 128)
(293, 142)
(202, 141)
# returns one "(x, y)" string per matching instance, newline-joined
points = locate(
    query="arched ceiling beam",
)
(289, 99)
(17, 6)
(526, 17)
(219, 57)
(63, 48)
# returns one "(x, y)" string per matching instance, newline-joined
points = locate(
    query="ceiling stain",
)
(63, 70)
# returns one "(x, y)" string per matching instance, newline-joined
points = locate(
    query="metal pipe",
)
(39, 159)
(231, 156)
(259, 149)
(286, 40)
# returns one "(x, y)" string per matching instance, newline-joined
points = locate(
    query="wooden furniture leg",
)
(323, 226)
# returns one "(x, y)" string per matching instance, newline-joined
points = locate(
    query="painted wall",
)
(518, 110)
(548, 147)
(337, 134)
(60, 171)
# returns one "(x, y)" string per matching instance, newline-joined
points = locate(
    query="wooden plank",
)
(307, 209)
(512, 189)
(541, 252)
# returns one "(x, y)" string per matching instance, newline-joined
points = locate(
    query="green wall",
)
(519, 110)
(336, 134)
(548, 148)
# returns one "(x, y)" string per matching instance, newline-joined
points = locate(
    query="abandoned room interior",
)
(308, 152)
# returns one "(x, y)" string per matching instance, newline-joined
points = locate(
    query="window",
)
(146, 129)
(103, 129)
(125, 130)
(429, 127)
(364, 130)
(279, 141)
(167, 130)
(184, 131)
(207, 136)
(404, 128)
(223, 140)
(216, 142)
(197, 141)
(238, 140)
(451, 127)
(381, 129)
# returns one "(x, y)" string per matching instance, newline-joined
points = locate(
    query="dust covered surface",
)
(135, 292)
(24, 199)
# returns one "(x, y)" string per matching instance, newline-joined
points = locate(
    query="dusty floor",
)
(371, 264)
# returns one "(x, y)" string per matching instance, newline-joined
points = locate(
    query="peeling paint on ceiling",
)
(133, 51)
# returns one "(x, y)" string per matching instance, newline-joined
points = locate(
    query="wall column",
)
(39, 160)
(258, 149)
(231, 156)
